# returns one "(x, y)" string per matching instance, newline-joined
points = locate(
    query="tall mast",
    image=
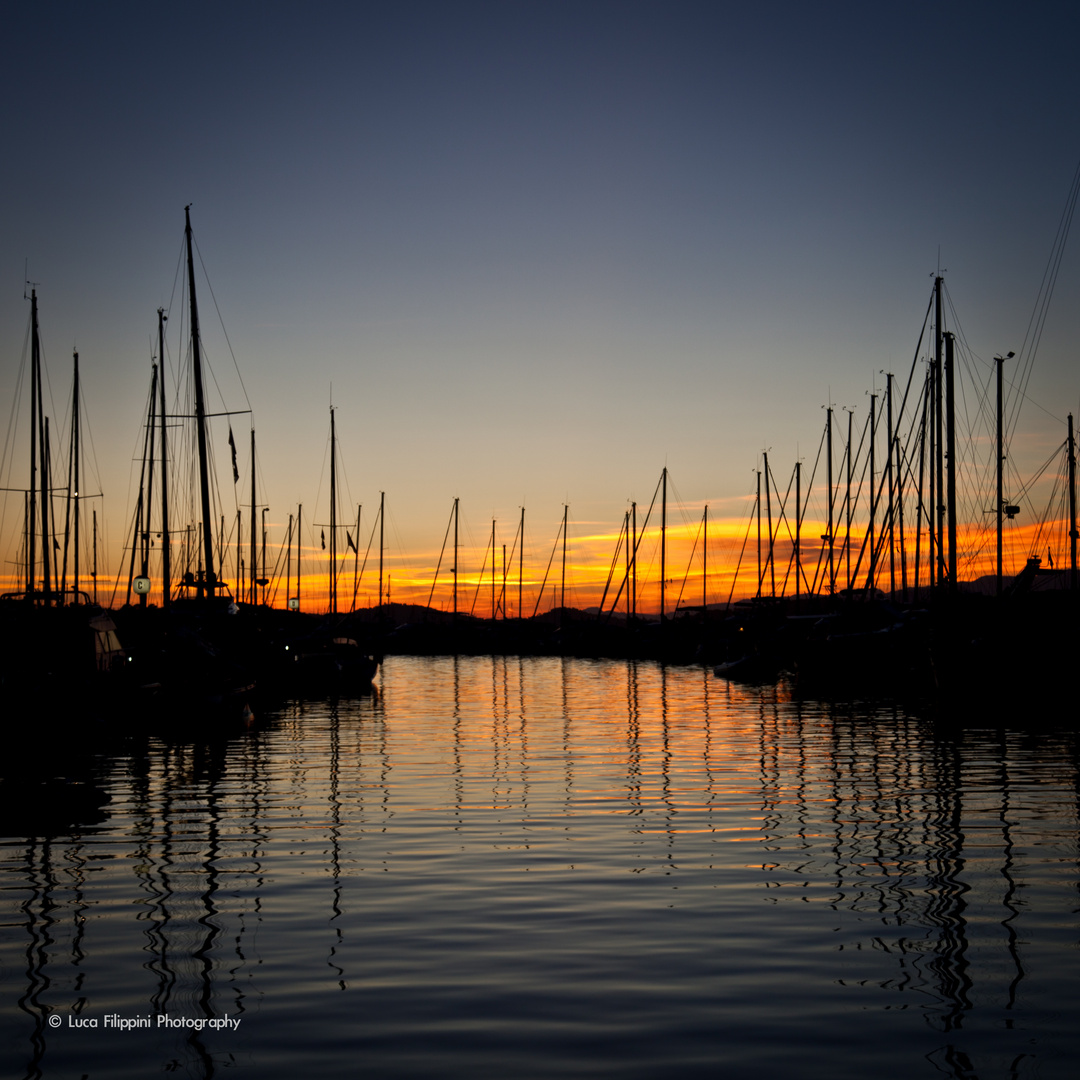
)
(333, 516)
(521, 567)
(299, 515)
(46, 496)
(210, 578)
(493, 562)
(356, 558)
(253, 559)
(830, 530)
(94, 571)
(758, 509)
(562, 589)
(382, 524)
(705, 563)
(151, 431)
(847, 504)
(798, 528)
(900, 518)
(166, 583)
(938, 465)
(262, 576)
(633, 562)
(1072, 506)
(873, 493)
(663, 542)
(75, 453)
(455, 554)
(889, 471)
(768, 509)
(35, 393)
(950, 436)
(288, 566)
(927, 500)
(67, 511)
(919, 501)
(1000, 361)
(148, 468)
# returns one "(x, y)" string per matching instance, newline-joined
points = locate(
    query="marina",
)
(539, 542)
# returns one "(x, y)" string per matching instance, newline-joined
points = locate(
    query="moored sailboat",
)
(194, 650)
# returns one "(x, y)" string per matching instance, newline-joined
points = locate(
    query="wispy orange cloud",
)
(596, 568)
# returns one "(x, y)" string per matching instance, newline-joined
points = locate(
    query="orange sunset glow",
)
(596, 569)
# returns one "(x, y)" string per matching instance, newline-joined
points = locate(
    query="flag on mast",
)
(232, 448)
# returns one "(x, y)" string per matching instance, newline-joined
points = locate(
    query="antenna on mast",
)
(26, 279)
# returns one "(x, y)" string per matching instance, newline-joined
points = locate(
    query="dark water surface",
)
(540, 868)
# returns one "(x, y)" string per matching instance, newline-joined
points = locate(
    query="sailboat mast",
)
(889, 471)
(829, 530)
(166, 584)
(356, 558)
(148, 468)
(67, 513)
(950, 436)
(705, 563)
(253, 561)
(798, 528)
(900, 518)
(299, 515)
(1072, 506)
(333, 516)
(663, 541)
(263, 576)
(35, 393)
(938, 477)
(288, 566)
(75, 453)
(633, 559)
(46, 497)
(926, 504)
(455, 554)
(382, 524)
(758, 511)
(151, 432)
(210, 577)
(1000, 361)
(873, 495)
(847, 504)
(94, 572)
(562, 587)
(919, 502)
(521, 567)
(768, 510)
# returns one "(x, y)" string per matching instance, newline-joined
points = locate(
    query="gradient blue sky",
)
(539, 250)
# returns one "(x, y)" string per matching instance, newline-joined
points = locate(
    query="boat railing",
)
(50, 597)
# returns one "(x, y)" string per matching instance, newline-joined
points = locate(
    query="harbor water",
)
(503, 867)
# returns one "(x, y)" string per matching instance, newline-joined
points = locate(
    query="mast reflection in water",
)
(544, 867)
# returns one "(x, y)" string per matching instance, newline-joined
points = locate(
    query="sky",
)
(531, 252)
